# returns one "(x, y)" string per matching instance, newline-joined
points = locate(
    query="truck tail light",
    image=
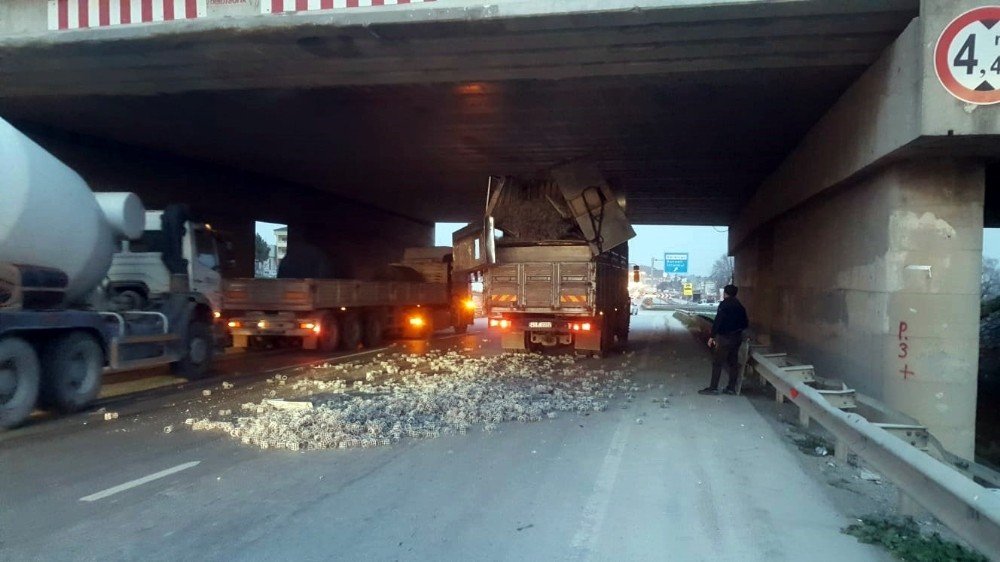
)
(469, 304)
(501, 323)
(234, 324)
(309, 326)
(262, 324)
(580, 327)
(417, 321)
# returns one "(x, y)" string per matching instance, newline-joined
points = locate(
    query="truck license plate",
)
(539, 324)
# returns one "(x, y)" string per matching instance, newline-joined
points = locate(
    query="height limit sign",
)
(967, 56)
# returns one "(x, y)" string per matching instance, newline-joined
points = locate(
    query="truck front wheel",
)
(19, 377)
(197, 350)
(73, 365)
(329, 334)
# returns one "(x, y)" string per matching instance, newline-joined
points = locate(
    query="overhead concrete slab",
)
(685, 105)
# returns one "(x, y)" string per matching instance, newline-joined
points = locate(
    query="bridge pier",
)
(877, 284)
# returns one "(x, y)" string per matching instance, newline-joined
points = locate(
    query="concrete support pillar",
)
(933, 263)
(877, 284)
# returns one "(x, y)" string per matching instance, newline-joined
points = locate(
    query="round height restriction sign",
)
(967, 56)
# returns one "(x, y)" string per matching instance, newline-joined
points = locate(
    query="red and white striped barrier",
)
(80, 14)
(279, 6)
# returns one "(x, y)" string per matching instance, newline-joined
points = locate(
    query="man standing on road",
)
(727, 336)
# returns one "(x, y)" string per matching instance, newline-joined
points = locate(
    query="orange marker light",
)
(234, 324)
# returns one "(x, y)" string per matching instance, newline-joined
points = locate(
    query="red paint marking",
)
(352, 3)
(943, 69)
(277, 6)
(326, 4)
(378, 2)
(794, 393)
(301, 5)
(402, 1)
(907, 373)
(63, 7)
(903, 326)
(168, 10)
(147, 10)
(125, 9)
(104, 12)
(191, 9)
(84, 13)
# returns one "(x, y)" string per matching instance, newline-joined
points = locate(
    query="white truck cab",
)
(140, 270)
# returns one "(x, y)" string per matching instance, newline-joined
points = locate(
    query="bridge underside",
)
(686, 109)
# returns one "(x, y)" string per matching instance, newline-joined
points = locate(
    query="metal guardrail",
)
(968, 509)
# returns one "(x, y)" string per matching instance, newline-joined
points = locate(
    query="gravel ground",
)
(418, 396)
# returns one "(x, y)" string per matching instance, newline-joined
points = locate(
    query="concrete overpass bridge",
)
(854, 183)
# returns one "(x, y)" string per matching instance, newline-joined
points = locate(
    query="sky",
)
(266, 231)
(991, 242)
(703, 244)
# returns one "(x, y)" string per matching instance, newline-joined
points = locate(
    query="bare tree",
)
(722, 271)
(990, 281)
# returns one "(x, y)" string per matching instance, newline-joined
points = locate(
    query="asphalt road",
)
(705, 478)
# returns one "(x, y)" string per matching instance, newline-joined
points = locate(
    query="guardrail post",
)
(841, 451)
(803, 418)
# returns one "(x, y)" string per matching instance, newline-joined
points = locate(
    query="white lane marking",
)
(328, 359)
(138, 482)
(597, 505)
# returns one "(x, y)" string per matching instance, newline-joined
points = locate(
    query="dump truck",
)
(423, 295)
(553, 256)
(86, 287)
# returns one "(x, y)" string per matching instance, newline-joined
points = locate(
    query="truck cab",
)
(161, 260)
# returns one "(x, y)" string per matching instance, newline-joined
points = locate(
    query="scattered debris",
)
(168, 429)
(422, 396)
(225, 412)
(866, 474)
(110, 415)
(227, 385)
(820, 451)
(282, 404)
(206, 392)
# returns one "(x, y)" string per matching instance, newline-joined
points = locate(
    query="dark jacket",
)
(730, 318)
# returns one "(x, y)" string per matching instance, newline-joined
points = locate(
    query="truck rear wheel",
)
(19, 378)
(329, 333)
(350, 337)
(73, 366)
(373, 330)
(198, 351)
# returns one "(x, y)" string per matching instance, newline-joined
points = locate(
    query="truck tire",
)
(198, 351)
(329, 333)
(19, 379)
(350, 331)
(374, 331)
(73, 366)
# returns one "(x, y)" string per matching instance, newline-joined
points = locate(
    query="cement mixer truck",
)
(87, 286)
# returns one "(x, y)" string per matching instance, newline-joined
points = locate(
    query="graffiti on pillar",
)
(904, 350)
